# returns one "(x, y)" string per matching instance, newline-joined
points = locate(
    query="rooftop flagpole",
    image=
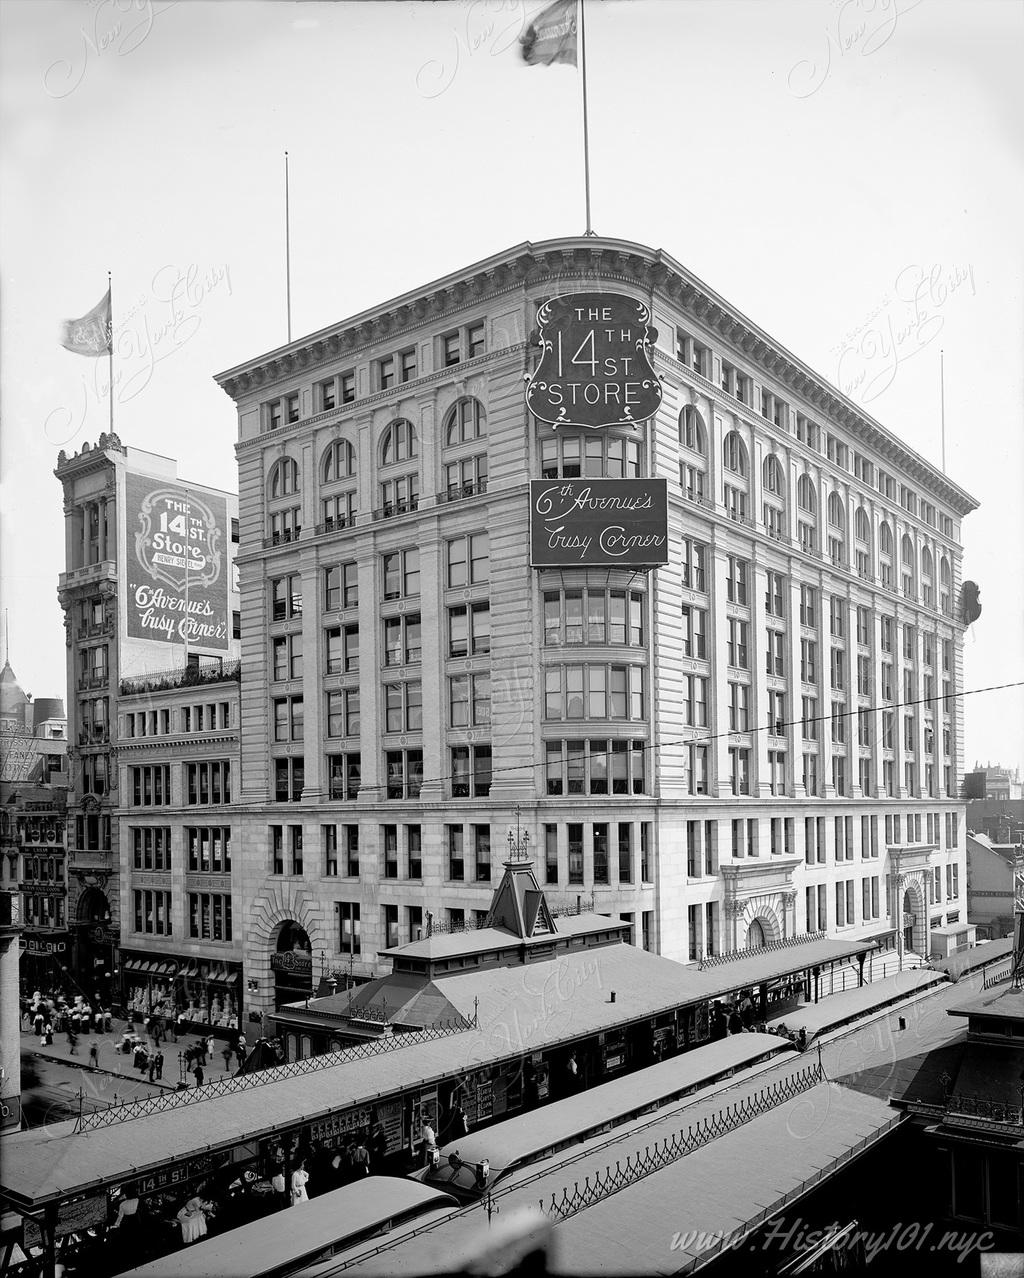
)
(287, 248)
(586, 126)
(110, 348)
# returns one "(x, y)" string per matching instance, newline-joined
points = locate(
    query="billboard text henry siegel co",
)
(176, 556)
(598, 522)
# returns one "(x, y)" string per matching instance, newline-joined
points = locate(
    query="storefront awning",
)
(134, 965)
(190, 969)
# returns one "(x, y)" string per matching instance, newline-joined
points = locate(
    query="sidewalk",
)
(119, 1064)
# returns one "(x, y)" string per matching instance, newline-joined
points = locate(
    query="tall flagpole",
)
(287, 248)
(942, 404)
(110, 348)
(586, 128)
(188, 556)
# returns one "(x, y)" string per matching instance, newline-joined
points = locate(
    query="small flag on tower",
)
(551, 37)
(89, 335)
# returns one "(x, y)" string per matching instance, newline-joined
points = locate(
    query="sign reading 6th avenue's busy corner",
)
(598, 522)
(595, 367)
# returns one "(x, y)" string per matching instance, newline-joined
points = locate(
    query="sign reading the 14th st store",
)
(595, 367)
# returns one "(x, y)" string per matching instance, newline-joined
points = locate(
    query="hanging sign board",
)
(598, 522)
(595, 368)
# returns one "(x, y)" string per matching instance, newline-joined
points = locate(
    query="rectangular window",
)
(468, 560)
(456, 853)
(551, 853)
(348, 928)
(341, 587)
(482, 852)
(295, 838)
(469, 630)
(404, 774)
(414, 851)
(286, 598)
(329, 841)
(695, 628)
(694, 565)
(737, 573)
(401, 574)
(389, 842)
(599, 834)
(575, 841)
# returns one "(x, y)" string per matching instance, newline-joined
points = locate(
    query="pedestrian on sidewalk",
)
(98, 1019)
(198, 1072)
(94, 1056)
(73, 1041)
(227, 1052)
(47, 1038)
(108, 1019)
(158, 1062)
(209, 1047)
(200, 1051)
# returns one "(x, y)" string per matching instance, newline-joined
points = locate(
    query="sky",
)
(849, 175)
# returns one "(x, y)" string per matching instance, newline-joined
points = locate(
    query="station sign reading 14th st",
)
(595, 367)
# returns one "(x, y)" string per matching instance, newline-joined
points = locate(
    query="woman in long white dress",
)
(300, 1177)
(193, 1219)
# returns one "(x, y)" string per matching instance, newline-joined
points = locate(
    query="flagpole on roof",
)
(586, 128)
(287, 249)
(110, 348)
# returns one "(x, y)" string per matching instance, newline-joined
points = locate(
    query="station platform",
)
(837, 1010)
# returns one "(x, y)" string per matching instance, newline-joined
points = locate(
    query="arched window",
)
(908, 561)
(862, 526)
(399, 442)
(885, 539)
(756, 939)
(771, 475)
(464, 421)
(284, 478)
(692, 434)
(772, 508)
(734, 454)
(945, 587)
(836, 511)
(927, 564)
(927, 578)
(805, 496)
(807, 514)
(338, 461)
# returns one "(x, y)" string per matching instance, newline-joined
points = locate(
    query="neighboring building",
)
(990, 885)
(1001, 819)
(968, 1101)
(993, 783)
(762, 738)
(33, 798)
(10, 1013)
(127, 590)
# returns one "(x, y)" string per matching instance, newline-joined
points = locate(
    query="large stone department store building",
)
(761, 738)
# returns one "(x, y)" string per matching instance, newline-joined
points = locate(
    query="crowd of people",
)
(49, 1014)
(739, 1016)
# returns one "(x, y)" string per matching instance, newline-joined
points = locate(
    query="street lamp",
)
(518, 841)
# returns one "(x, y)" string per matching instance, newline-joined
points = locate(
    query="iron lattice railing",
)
(654, 1157)
(983, 1107)
(183, 677)
(715, 960)
(127, 1110)
(997, 978)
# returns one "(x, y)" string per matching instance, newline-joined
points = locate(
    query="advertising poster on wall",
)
(598, 522)
(176, 557)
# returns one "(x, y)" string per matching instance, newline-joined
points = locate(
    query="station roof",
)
(524, 1008)
(718, 1190)
(977, 956)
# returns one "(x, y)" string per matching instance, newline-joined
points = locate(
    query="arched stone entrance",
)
(94, 952)
(912, 923)
(292, 962)
(756, 939)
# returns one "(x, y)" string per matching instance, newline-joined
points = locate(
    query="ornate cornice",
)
(588, 259)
